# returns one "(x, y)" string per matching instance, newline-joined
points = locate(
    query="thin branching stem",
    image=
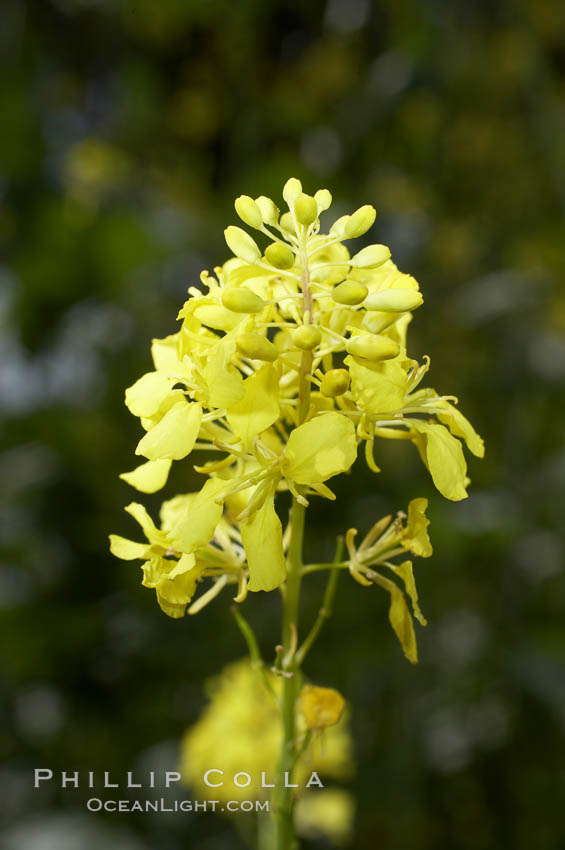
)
(327, 605)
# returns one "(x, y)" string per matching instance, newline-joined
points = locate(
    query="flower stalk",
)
(291, 360)
(286, 839)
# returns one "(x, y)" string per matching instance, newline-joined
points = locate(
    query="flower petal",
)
(164, 353)
(126, 549)
(406, 573)
(460, 426)
(321, 448)
(261, 534)
(182, 566)
(148, 393)
(258, 408)
(174, 594)
(225, 384)
(174, 437)
(415, 537)
(443, 455)
(148, 477)
(196, 526)
(401, 622)
(377, 387)
(140, 515)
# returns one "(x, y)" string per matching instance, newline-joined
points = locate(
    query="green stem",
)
(285, 832)
(265, 831)
(253, 647)
(286, 838)
(326, 609)
(329, 565)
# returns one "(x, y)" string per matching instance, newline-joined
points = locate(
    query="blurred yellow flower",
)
(328, 813)
(239, 731)
(320, 707)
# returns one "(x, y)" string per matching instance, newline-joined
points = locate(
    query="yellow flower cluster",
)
(290, 357)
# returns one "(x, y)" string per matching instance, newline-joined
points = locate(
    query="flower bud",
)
(349, 292)
(242, 300)
(338, 227)
(323, 199)
(394, 300)
(242, 244)
(287, 223)
(279, 256)
(307, 337)
(256, 347)
(371, 257)
(306, 209)
(249, 212)
(292, 190)
(269, 210)
(335, 382)
(320, 707)
(360, 222)
(372, 347)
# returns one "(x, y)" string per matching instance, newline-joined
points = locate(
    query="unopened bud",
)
(306, 209)
(249, 212)
(349, 292)
(335, 382)
(360, 222)
(292, 190)
(394, 300)
(372, 347)
(338, 227)
(371, 257)
(269, 210)
(242, 244)
(323, 199)
(287, 223)
(242, 300)
(307, 337)
(279, 256)
(256, 347)
(320, 707)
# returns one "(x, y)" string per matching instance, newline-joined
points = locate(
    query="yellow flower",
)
(288, 358)
(174, 573)
(320, 707)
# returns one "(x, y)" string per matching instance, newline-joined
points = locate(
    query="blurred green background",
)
(128, 130)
